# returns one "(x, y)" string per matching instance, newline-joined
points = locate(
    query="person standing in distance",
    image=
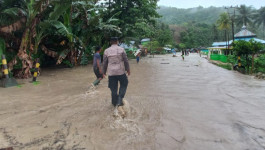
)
(115, 61)
(138, 57)
(97, 65)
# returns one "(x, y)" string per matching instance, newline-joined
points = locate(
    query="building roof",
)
(248, 39)
(244, 33)
(218, 48)
(217, 44)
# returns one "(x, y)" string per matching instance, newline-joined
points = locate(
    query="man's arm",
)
(105, 64)
(126, 62)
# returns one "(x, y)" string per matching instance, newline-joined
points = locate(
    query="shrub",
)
(260, 64)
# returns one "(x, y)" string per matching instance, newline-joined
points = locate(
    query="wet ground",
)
(174, 105)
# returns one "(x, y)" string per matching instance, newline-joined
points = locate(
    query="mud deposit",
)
(174, 105)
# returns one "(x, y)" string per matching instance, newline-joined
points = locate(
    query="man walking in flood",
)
(97, 66)
(115, 61)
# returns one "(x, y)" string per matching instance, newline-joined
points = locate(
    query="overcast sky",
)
(207, 3)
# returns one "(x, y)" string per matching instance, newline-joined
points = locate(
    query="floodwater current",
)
(174, 105)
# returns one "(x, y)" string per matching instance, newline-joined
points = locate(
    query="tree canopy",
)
(65, 32)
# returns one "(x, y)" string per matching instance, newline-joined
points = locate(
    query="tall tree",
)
(163, 34)
(130, 12)
(244, 16)
(224, 23)
(259, 19)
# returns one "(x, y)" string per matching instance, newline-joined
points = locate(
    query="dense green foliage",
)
(196, 35)
(172, 15)
(247, 51)
(260, 64)
(241, 47)
(131, 13)
(66, 32)
(194, 27)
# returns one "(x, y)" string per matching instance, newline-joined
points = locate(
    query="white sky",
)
(207, 3)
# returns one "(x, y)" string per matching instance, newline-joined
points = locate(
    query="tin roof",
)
(255, 39)
(217, 48)
(244, 33)
(216, 44)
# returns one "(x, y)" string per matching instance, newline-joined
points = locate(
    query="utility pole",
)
(232, 19)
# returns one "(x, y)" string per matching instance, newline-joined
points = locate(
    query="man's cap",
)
(114, 39)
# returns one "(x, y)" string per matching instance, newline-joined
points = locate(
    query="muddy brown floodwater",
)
(174, 105)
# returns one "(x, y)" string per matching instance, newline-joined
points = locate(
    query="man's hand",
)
(128, 73)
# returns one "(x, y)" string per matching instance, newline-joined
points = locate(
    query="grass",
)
(19, 86)
(225, 66)
(36, 82)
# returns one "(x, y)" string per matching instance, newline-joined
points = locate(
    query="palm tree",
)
(259, 18)
(244, 16)
(224, 23)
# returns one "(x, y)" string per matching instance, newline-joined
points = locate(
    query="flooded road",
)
(174, 105)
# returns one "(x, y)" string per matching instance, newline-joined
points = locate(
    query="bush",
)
(130, 55)
(260, 64)
(68, 63)
(232, 59)
(84, 60)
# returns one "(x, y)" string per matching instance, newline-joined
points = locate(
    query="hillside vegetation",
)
(172, 15)
(198, 27)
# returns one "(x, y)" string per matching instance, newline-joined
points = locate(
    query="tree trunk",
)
(252, 63)
(247, 63)
(225, 40)
(263, 30)
(23, 56)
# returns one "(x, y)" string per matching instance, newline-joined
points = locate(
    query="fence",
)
(221, 58)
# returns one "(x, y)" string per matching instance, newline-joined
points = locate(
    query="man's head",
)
(97, 49)
(114, 40)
